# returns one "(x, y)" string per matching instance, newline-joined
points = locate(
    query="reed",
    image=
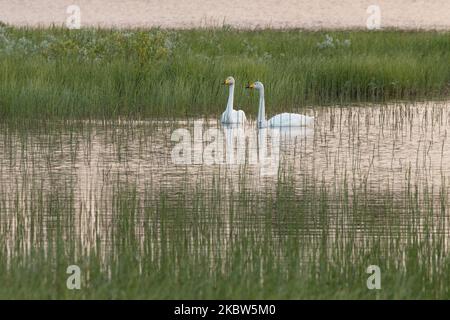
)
(277, 244)
(106, 74)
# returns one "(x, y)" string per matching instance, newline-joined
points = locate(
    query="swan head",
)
(256, 85)
(229, 81)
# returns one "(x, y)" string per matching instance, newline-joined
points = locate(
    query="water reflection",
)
(381, 150)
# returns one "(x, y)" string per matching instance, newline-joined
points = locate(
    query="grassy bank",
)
(58, 73)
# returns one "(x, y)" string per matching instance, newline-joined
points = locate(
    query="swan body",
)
(231, 116)
(290, 120)
(279, 120)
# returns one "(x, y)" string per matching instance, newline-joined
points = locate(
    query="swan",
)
(280, 120)
(231, 116)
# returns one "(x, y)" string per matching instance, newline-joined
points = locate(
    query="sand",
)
(308, 14)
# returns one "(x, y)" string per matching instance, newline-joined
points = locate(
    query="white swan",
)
(231, 116)
(280, 120)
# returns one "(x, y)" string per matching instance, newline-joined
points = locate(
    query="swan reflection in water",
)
(261, 147)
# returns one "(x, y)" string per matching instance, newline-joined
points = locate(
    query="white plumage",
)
(291, 120)
(279, 120)
(231, 116)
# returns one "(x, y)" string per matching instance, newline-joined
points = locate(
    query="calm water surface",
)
(382, 151)
(329, 14)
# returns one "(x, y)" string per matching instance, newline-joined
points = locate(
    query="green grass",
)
(214, 234)
(213, 237)
(95, 73)
(203, 244)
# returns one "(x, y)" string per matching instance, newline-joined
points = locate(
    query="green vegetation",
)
(223, 234)
(94, 73)
(179, 246)
(210, 235)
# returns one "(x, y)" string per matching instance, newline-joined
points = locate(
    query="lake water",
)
(405, 14)
(381, 151)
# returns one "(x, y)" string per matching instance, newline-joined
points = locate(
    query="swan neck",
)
(230, 99)
(261, 110)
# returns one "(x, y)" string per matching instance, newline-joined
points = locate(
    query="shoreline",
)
(57, 73)
(442, 30)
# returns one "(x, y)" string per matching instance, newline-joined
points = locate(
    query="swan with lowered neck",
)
(231, 116)
(279, 120)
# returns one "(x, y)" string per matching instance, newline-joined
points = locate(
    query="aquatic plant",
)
(102, 73)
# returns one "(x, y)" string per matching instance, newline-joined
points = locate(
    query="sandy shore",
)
(405, 14)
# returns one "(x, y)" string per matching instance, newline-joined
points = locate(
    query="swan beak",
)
(250, 86)
(226, 82)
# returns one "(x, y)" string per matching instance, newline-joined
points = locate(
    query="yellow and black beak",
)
(250, 86)
(226, 82)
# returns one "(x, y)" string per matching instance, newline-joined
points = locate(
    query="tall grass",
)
(199, 243)
(97, 73)
(107, 198)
